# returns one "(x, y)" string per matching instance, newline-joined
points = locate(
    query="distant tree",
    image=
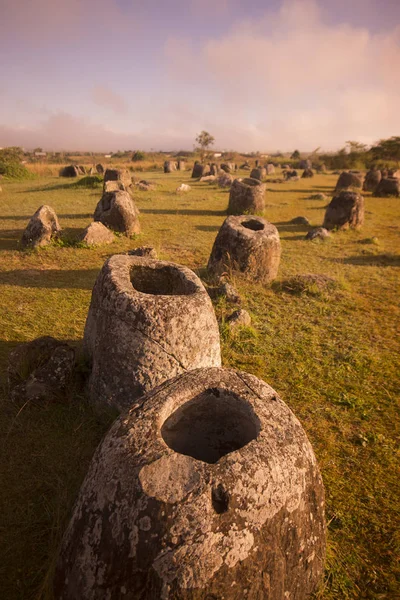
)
(204, 140)
(356, 147)
(387, 149)
(38, 150)
(295, 155)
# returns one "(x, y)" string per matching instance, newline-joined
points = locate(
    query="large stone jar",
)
(248, 244)
(208, 488)
(148, 321)
(345, 210)
(247, 196)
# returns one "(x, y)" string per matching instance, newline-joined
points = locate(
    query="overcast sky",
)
(139, 74)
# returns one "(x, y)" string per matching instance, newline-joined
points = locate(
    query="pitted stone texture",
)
(41, 229)
(113, 186)
(259, 173)
(200, 170)
(247, 244)
(96, 233)
(148, 321)
(388, 186)
(239, 318)
(40, 369)
(372, 180)
(247, 196)
(345, 210)
(349, 179)
(121, 175)
(207, 488)
(117, 211)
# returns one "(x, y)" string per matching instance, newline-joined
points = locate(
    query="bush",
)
(90, 181)
(138, 156)
(14, 170)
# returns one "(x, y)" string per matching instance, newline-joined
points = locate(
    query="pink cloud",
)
(107, 98)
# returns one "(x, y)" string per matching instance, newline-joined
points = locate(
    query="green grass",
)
(332, 355)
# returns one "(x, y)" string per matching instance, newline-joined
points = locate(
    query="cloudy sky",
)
(258, 74)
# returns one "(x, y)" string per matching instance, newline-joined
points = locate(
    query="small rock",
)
(318, 196)
(183, 188)
(207, 178)
(317, 233)
(96, 233)
(239, 317)
(40, 370)
(145, 186)
(230, 293)
(41, 229)
(148, 251)
(300, 221)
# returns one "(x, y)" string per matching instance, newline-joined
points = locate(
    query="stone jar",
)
(372, 180)
(148, 321)
(246, 196)
(259, 173)
(118, 211)
(349, 179)
(388, 186)
(345, 210)
(208, 488)
(200, 170)
(247, 244)
(169, 166)
(121, 175)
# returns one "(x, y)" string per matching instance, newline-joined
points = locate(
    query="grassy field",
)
(332, 356)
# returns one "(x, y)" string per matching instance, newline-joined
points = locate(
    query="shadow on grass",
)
(373, 260)
(9, 239)
(60, 216)
(288, 227)
(208, 227)
(189, 212)
(50, 278)
(313, 190)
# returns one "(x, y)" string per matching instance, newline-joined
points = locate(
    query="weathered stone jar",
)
(259, 173)
(248, 244)
(372, 180)
(148, 321)
(388, 186)
(345, 210)
(169, 166)
(349, 179)
(118, 211)
(207, 488)
(247, 196)
(43, 226)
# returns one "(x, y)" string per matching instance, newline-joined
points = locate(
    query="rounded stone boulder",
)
(43, 226)
(259, 173)
(348, 180)
(345, 210)
(117, 211)
(247, 244)
(148, 321)
(246, 196)
(208, 488)
(96, 234)
(388, 186)
(307, 173)
(372, 180)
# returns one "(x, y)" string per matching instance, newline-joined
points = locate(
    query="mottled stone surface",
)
(388, 186)
(181, 165)
(169, 166)
(228, 167)
(148, 321)
(214, 169)
(225, 180)
(318, 233)
(96, 233)
(270, 169)
(43, 226)
(122, 175)
(40, 369)
(148, 251)
(372, 180)
(70, 171)
(239, 317)
(307, 173)
(118, 211)
(247, 244)
(200, 170)
(345, 210)
(208, 488)
(259, 173)
(100, 168)
(113, 186)
(247, 196)
(349, 179)
(291, 175)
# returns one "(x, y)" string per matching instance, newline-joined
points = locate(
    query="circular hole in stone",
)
(253, 224)
(161, 281)
(211, 425)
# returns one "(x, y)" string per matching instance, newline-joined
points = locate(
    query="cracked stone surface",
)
(207, 488)
(117, 211)
(148, 321)
(248, 244)
(43, 226)
(96, 233)
(247, 196)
